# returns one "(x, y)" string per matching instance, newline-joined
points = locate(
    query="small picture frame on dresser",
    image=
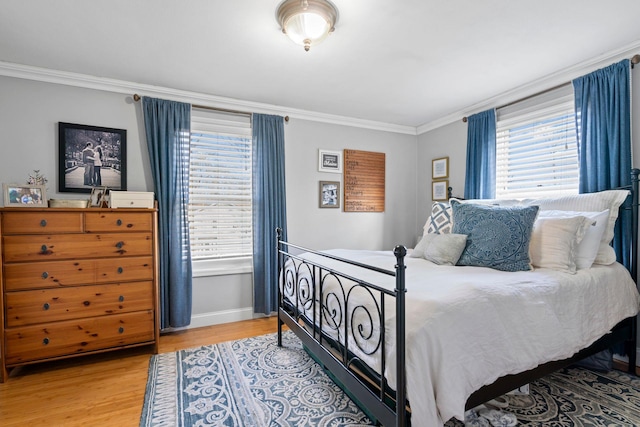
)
(25, 196)
(98, 197)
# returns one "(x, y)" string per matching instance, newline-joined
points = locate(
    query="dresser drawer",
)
(41, 222)
(72, 337)
(96, 222)
(73, 246)
(52, 305)
(53, 274)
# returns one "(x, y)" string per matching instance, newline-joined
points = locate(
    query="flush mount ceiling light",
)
(307, 22)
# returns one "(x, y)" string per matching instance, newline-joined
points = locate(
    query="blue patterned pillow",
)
(497, 237)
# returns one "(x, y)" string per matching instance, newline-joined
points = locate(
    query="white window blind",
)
(536, 148)
(220, 185)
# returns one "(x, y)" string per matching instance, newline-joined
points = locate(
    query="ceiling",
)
(406, 63)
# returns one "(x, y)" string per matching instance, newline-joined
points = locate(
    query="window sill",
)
(221, 267)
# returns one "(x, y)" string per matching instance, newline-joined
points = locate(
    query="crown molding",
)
(531, 88)
(67, 78)
(120, 86)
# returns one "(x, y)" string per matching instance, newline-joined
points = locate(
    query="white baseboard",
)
(218, 317)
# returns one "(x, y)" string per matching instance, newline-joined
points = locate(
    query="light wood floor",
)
(101, 390)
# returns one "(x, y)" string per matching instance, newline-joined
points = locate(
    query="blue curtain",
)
(603, 125)
(269, 207)
(167, 126)
(480, 180)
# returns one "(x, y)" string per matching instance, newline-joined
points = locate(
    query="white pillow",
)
(554, 242)
(600, 201)
(441, 249)
(588, 247)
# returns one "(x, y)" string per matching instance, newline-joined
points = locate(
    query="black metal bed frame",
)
(336, 309)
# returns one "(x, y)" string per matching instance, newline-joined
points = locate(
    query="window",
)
(220, 192)
(536, 147)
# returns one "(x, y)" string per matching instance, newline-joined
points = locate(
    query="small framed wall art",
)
(440, 168)
(329, 161)
(439, 191)
(329, 194)
(25, 196)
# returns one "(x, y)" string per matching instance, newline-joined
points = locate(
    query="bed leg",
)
(279, 268)
(632, 359)
(631, 346)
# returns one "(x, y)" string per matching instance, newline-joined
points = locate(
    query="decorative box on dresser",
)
(76, 282)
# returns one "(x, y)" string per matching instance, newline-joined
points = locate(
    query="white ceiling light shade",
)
(307, 22)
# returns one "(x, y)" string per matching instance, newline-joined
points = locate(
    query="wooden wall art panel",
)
(364, 181)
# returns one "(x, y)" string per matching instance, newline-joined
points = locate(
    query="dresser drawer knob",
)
(46, 306)
(119, 245)
(45, 275)
(121, 298)
(120, 270)
(45, 341)
(43, 223)
(119, 222)
(120, 330)
(44, 248)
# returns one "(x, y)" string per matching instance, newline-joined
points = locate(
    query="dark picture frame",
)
(77, 171)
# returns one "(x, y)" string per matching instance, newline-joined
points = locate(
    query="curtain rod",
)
(137, 98)
(634, 60)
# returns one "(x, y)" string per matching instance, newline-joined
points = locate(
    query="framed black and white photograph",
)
(329, 194)
(25, 196)
(439, 191)
(440, 168)
(91, 156)
(329, 161)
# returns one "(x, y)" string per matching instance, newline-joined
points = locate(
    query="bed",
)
(416, 341)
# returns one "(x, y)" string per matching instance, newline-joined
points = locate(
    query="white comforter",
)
(468, 326)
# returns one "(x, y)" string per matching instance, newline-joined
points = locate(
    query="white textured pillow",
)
(441, 249)
(554, 242)
(588, 247)
(600, 201)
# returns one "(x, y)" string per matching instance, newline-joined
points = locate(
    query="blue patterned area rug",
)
(253, 382)
(249, 382)
(573, 397)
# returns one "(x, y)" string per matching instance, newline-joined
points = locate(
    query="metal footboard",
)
(340, 319)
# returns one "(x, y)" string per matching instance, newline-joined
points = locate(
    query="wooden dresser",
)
(76, 282)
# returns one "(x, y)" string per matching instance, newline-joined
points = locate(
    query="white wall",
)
(29, 116)
(446, 141)
(324, 228)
